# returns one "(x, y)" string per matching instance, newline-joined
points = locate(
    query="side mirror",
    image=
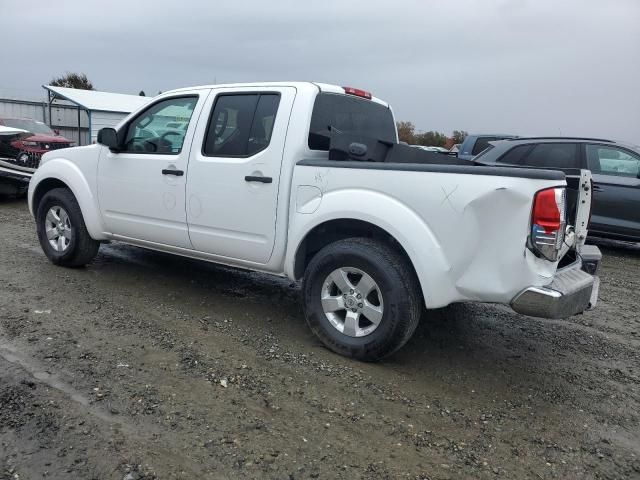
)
(109, 138)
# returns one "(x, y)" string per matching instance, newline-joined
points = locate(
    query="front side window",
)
(241, 125)
(612, 161)
(161, 128)
(553, 155)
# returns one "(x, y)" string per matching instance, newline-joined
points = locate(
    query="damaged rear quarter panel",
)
(465, 234)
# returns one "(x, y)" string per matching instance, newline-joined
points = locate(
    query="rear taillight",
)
(548, 221)
(357, 92)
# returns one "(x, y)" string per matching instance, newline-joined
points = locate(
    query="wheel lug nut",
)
(354, 310)
(359, 305)
(359, 296)
(344, 295)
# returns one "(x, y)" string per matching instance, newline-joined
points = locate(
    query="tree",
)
(431, 139)
(142, 94)
(406, 132)
(459, 136)
(72, 80)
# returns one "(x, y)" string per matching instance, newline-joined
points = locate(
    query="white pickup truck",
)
(247, 175)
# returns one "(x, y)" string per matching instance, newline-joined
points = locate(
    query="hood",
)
(39, 137)
(77, 155)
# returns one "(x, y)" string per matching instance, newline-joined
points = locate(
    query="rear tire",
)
(361, 298)
(61, 230)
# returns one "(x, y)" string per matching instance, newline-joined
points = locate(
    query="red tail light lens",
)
(546, 212)
(548, 221)
(357, 92)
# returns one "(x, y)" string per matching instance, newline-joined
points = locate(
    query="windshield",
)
(349, 114)
(28, 125)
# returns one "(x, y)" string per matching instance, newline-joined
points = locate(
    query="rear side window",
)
(241, 125)
(515, 156)
(349, 114)
(482, 143)
(553, 155)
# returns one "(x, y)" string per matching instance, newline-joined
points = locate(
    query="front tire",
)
(361, 298)
(61, 230)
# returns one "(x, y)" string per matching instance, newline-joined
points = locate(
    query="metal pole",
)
(79, 134)
(50, 100)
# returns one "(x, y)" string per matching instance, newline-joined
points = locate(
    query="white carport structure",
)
(103, 109)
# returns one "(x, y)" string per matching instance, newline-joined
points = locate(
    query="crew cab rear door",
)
(234, 172)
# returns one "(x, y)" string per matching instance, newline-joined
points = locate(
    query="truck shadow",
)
(463, 348)
(11, 200)
(462, 335)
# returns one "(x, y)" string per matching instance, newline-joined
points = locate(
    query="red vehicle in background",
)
(20, 153)
(27, 151)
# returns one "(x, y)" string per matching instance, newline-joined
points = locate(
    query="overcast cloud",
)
(514, 66)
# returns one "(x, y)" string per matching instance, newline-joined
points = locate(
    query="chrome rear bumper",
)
(572, 290)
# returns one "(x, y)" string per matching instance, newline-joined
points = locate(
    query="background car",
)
(27, 151)
(615, 168)
(474, 144)
(431, 149)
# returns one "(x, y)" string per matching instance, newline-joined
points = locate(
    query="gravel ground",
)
(147, 366)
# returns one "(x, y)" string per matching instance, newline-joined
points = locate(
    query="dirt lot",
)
(147, 366)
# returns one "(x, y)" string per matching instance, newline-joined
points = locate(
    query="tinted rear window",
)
(349, 114)
(241, 125)
(482, 143)
(516, 155)
(553, 155)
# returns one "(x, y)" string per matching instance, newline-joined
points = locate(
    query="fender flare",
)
(68, 173)
(392, 216)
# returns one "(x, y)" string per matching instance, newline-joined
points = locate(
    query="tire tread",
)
(395, 264)
(85, 248)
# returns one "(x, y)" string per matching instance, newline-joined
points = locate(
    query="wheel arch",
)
(42, 188)
(59, 173)
(336, 229)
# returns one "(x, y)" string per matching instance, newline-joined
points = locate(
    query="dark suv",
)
(474, 144)
(615, 168)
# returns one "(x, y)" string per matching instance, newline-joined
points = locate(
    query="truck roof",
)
(322, 87)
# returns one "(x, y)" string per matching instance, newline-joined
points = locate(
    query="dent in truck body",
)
(458, 235)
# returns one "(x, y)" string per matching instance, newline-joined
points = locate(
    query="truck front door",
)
(234, 172)
(616, 190)
(141, 187)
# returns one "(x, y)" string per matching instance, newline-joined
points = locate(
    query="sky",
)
(527, 67)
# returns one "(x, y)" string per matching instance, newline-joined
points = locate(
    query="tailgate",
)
(579, 197)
